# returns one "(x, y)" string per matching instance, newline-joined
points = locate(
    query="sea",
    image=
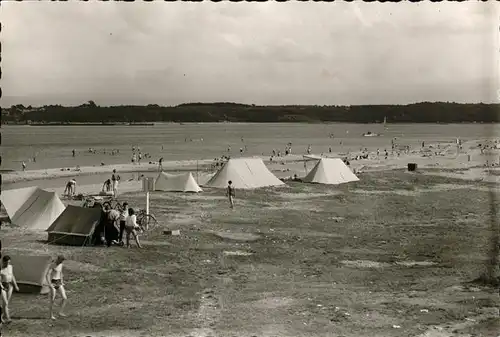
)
(42, 147)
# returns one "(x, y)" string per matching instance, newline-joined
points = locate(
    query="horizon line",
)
(250, 104)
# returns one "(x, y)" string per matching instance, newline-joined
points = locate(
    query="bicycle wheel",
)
(147, 222)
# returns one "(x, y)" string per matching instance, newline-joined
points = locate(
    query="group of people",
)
(112, 184)
(53, 278)
(114, 224)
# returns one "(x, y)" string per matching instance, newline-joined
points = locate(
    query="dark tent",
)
(76, 226)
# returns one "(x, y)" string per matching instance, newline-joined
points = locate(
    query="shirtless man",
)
(55, 280)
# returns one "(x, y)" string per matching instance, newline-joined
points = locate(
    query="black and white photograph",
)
(250, 169)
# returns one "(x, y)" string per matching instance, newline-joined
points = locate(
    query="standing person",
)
(160, 164)
(112, 227)
(114, 179)
(123, 219)
(131, 227)
(8, 285)
(230, 193)
(73, 152)
(55, 280)
(24, 166)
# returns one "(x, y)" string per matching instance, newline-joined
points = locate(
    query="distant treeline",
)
(425, 112)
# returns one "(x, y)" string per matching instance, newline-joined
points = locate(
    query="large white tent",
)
(330, 171)
(245, 173)
(184, 182)
(31, 207)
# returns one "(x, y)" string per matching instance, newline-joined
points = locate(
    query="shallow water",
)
(52, 145)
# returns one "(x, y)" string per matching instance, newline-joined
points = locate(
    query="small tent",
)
(245, 173)
(184, 182)
(330, 171)
(32, 207)
(75, 226)
(30, 271)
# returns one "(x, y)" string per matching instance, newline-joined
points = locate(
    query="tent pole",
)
(197, 179)
(147, 202)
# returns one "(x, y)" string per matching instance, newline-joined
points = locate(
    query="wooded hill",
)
(425, 112)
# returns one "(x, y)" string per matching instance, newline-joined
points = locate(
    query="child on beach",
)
(54, 278)
(8, 285)
(230, 193)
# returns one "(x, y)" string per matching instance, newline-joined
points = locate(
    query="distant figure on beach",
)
(73, 152)
(230, 193)
(330, 149)
(8, 285)
(133, 158)
(131, 228)
(114, 180)
(24, 166)
(160, 164)
(139, 158)
(70, 189)
(55, 280)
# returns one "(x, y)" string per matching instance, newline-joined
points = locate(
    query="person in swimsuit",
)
(8, 285)
(115, 178)
(230, 193)
(55, 280)
(70, 188)
(131, 228)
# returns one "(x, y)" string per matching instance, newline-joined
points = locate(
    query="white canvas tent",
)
(184, 182)
(31, 207)
(330, 171)
(245, 173)
(30, 271)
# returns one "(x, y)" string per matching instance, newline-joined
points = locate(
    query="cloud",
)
(263, 53)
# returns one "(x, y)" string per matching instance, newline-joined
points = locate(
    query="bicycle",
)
(146, 221)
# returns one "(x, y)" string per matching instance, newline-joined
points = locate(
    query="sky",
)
(257, 53)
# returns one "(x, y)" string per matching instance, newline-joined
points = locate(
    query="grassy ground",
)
(371, 258)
